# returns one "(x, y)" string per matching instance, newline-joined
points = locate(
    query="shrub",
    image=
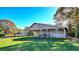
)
(9, 35)
(72, 34)
(1, 35)
(29, 33)
(78, 34)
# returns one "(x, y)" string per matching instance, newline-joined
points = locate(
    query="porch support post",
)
(56, 32)
(35, 33)
(47, 32)
(40, 32)
(65, 33)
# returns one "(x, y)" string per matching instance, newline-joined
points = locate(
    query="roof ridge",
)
(43, 24)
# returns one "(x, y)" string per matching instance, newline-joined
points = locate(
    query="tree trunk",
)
(76, 30)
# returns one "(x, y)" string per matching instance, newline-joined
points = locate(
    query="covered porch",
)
(50, 33)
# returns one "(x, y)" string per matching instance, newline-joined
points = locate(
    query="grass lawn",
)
(37, 44)
(8, 42)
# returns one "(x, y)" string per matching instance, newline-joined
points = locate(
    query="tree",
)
(74, 18)
(10, 31)
(8, 27)
(1, 30)
(71, 14)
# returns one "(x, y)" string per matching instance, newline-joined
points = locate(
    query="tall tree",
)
(1, 28)
(72, 15)
(74, 18)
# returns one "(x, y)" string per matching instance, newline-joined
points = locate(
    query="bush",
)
(78, 35)
(71, 34)
(1, 35)
(29, 33)
(9, 35)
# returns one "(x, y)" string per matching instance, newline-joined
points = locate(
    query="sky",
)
(26, 16)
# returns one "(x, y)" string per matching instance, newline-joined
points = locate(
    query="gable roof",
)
(8, 22)
(40, 26)
(26, 28)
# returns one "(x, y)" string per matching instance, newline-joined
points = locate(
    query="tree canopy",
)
(71, 14)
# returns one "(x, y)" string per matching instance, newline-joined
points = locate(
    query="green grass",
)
(37, 44)
(8, 42)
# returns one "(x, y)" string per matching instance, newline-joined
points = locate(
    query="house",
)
(20, 32)
(26, 31)
(8, 26)
(47, 30)
(7, 23)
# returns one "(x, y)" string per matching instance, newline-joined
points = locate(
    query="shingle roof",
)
(8, 22)
(39, 26)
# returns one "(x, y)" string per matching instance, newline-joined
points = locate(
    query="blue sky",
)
(26, 16)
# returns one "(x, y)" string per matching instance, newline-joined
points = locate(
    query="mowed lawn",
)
(37, 44)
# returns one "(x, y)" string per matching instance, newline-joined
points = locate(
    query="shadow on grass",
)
(39, 39)
(41, 44)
